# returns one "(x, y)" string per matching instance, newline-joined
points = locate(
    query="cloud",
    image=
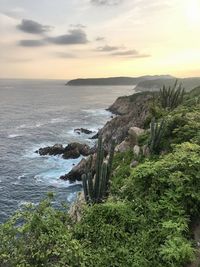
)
(75, 36)
(133, 53)
(64, 55)
(32, 43)
(106, 2)
(107, 48)
(79, 26)
(99, 39)
(33, 27)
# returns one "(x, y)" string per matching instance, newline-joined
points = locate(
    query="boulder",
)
(134, 163)
(57, 149)
(83, 130)
(123, 146)
(77, 208)
(134, 133)
(136, 150)
(71, 151)
(79, 169)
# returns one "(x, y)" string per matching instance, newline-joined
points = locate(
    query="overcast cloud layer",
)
(82, 38)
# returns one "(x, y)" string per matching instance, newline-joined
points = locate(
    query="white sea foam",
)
(14, 135)
(56, 167)
(97, 112)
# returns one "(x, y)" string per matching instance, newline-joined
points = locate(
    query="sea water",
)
(38, 113)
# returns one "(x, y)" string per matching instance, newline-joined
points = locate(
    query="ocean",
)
(38, 113)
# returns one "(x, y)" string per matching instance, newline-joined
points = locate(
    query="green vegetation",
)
(157, 132)
(171, 97)
(146, 220)
(96, 188)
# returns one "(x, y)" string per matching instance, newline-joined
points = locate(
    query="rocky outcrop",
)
(82, 130)
(57, 149)
(135, 108)
(71, 151)
(78, 170)
(77, 208)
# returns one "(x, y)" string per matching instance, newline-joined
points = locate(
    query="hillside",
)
(156, 84)
(115, 80)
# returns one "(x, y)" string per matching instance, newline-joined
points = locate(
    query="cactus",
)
(171, 97)
(156, 133)
(96, 188)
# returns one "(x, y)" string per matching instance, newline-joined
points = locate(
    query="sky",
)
(67, 39)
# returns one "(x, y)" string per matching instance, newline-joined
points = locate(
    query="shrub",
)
(39, 236)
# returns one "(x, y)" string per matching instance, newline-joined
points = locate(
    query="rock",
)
(82, 130)
(134, 133)
(77, 208)
(123, 146)
(136, 150)
(96, 136)
(57, 149)
(78, 170)
(71, 151)
(134, 109)
(134, 163)
(74, 150)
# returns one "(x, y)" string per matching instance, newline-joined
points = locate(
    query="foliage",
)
(96, 188)
(183, 124)
(122, 170)
(157, 132)
(39, 236)
(171, 97)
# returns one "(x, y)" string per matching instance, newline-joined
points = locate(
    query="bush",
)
(39, 236)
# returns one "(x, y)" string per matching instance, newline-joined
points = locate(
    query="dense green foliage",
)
(39, 236)
(146, 221)
(171, 97)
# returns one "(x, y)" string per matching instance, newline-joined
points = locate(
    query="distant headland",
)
(116, 80)
(142, 83)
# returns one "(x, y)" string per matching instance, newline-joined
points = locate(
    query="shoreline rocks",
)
(83, 130)
(71, 151)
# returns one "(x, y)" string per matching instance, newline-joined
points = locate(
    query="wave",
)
(14, 135)
(56, 167)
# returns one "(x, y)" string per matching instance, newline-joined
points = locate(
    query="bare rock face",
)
(134, 133)
(78, 170)
(135, 111)
(77, 208)
(123, 146)
(136, 150)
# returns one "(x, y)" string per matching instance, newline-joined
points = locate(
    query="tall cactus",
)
(96, 188)
(156, 133)
(171, 97)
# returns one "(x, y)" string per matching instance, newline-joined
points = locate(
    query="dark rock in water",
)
(74, 150)
(78, 170)
(83, 130)
(57, 149)
(96, 136)
(71, 151)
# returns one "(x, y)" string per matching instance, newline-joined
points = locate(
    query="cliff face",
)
(133, 111)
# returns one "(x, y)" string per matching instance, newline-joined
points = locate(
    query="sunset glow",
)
(70, 39)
